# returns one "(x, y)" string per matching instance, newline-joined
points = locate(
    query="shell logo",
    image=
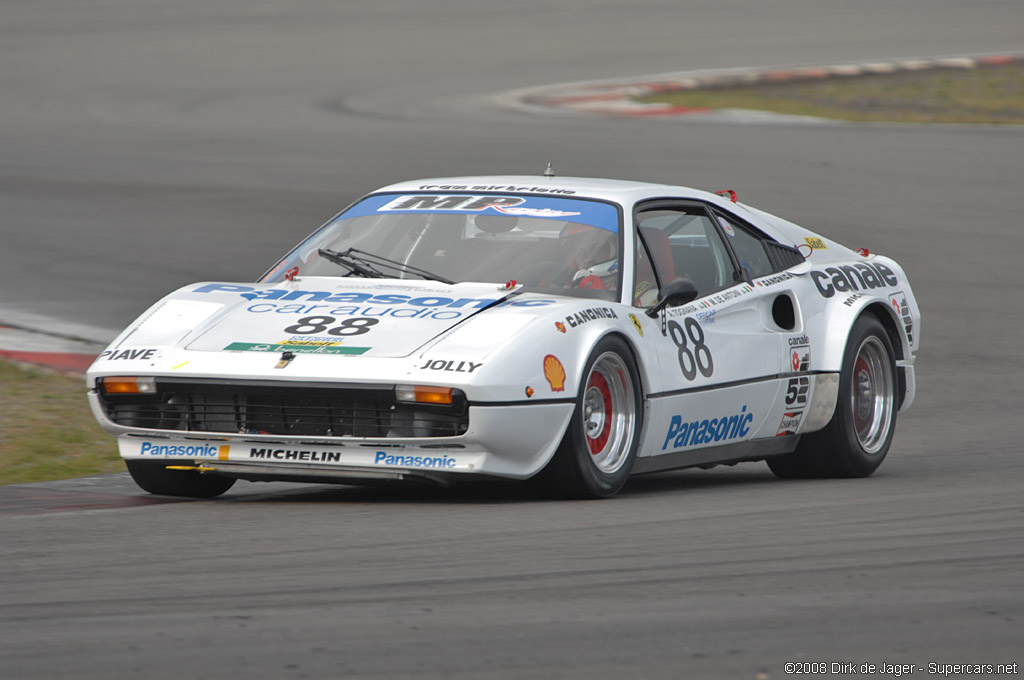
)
(554, 373)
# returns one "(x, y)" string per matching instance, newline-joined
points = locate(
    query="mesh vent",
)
(782, 256)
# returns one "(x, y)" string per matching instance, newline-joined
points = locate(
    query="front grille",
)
(282, 409)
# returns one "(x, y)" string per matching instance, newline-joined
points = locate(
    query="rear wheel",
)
(857, 439)
(155, 478)
(597, 452)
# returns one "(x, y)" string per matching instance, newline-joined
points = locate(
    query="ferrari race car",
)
(568, 331)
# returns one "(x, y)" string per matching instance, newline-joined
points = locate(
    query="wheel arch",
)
(637, 359)
(840, 321)
(885, 315)
(893, 329)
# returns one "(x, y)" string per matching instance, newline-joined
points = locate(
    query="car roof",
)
(623, 192)
(620, 191)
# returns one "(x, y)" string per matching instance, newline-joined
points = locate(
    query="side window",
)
(675, 243)
(749, 247)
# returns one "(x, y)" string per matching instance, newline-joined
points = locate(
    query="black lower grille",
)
(282, 409)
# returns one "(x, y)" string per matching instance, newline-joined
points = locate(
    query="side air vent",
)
(783, 313)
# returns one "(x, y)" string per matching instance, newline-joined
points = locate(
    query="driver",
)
(593, 253)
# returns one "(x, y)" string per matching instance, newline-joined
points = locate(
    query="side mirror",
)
(673, 294)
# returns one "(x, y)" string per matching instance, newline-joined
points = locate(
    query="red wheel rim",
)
(599, 401)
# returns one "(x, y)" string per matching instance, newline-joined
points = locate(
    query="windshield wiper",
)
(354, 264)
(366, 264)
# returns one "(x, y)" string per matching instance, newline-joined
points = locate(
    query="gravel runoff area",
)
(641, 97)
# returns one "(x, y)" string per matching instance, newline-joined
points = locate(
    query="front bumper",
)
(509, 441)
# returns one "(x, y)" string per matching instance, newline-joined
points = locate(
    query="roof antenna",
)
(549, 172)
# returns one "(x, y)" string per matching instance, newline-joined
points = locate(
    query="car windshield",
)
(551, 244)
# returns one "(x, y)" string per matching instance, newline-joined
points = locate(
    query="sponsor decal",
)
(592, 314)
(711, 300)
(853, 298)
(902, 307)
(380, 458)
(533, 212)
(494, 187)
(849, 278)
(554, 373)
(458, 202)
(450, 365)
(790, 423)
(636, 324)
(399, 313)
(126, 354)
(799, 354)
(682, 434)
(188, 451)
(306, 455)
(551, 205)
(773, 279)
(799, 362)
(383, 458)
(560, 326)
(309, 343)
(815, 243)
(706, 318)
(294, 349)
(333, 299)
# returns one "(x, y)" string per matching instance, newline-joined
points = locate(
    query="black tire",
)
(596, 455)
(857, 439)
(154, 477)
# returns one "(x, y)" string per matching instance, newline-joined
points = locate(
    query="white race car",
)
(564, 330)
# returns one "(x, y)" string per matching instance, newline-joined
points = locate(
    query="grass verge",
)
(47, 430)
(992, 95)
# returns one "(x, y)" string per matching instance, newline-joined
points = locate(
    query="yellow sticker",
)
(636, 324)
(815, 243)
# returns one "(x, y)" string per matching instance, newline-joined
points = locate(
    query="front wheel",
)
(857, 439)
(596, 454)
(154, 477)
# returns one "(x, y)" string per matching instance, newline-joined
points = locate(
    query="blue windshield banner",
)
(593, 213)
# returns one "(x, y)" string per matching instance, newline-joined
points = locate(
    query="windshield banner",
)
(593, 213)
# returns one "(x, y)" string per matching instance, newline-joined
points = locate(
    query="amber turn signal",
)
(424, 394)
(128, 385)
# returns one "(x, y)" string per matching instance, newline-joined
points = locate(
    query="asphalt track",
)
(147, 144)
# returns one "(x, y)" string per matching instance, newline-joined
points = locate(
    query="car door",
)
(720, 361)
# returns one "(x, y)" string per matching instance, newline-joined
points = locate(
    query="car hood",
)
(315, 315)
